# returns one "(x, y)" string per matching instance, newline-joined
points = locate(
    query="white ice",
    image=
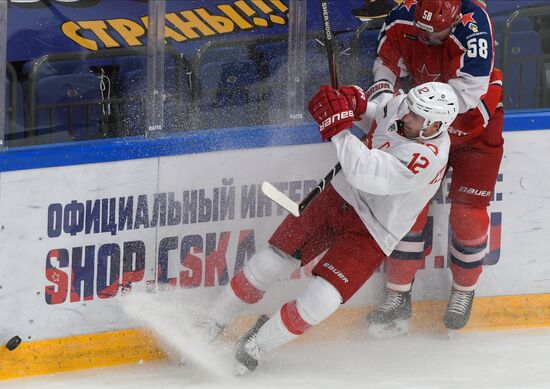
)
(503, 359)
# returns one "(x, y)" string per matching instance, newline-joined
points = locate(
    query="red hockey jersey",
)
(464, 60)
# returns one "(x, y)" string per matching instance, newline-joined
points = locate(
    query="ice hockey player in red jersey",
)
(358, 219)
(448, 41)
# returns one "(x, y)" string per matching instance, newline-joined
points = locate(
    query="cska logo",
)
(468, 18)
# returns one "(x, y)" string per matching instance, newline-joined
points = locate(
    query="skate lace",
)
(459, 302)
(392, 301)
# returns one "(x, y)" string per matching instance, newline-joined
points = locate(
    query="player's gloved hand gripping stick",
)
(268, 189)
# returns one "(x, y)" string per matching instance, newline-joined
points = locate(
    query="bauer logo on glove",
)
(331, 111)
(336, 118)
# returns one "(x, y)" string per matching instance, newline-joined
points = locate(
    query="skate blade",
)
(389, 330)
(240, 370)
(452, 334)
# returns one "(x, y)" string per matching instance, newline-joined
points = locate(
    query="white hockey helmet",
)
(435, 102)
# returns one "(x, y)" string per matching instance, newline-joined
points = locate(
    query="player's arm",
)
(474, 56)
(472, 123)
(409, 167)
(377, 96)
(389, 64)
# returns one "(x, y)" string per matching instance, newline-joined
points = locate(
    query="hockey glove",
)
(357, 99)
(331, 111)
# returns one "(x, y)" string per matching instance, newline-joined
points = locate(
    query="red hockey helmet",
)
(436, 15)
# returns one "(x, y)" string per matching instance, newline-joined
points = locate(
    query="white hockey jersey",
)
(389, 182)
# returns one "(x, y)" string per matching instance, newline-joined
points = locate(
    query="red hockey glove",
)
(357, 99)
(331, 111)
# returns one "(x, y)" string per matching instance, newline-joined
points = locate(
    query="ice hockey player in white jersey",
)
(385, 183)
(389, 185)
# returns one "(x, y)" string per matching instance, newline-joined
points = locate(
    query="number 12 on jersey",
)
(418, 162)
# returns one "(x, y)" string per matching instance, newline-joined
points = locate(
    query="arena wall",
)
(80, 239)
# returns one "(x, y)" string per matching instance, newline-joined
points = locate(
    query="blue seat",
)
(360, 60)
(128, 63)
(230, 93)
(522, 75)
(132, 87)
(228, 96)
(522, 23)
(65, 104)
(273, 63)
(521, 78)
(67, 108)
(55, 68)
(274, 56)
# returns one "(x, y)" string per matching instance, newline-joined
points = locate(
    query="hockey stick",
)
(269, 190)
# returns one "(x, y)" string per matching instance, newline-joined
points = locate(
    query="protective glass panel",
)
(522, 35)
(73, 70)
(77, 70)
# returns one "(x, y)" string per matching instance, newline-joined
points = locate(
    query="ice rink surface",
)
(498, 359)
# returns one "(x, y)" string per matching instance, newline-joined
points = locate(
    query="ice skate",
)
(247, 352)
(210, 329)
(391, 318)
(458, 309)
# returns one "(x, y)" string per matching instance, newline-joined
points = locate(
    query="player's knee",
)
(269, 266)
(320, 300)
(469, 223)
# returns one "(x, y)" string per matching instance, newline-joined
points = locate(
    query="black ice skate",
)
(247, 352)
(458, 309)
(391, 318)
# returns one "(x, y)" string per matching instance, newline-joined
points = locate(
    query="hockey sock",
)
(468, 244)
(406, 259)
(316, 303)
(248, 286)
(404, 262)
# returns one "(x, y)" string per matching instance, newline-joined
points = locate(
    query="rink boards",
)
(77, 239)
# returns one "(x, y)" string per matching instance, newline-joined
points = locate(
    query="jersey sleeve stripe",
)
(484, 110)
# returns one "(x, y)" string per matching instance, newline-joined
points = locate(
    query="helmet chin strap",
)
(421, 135)
(435, 135)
